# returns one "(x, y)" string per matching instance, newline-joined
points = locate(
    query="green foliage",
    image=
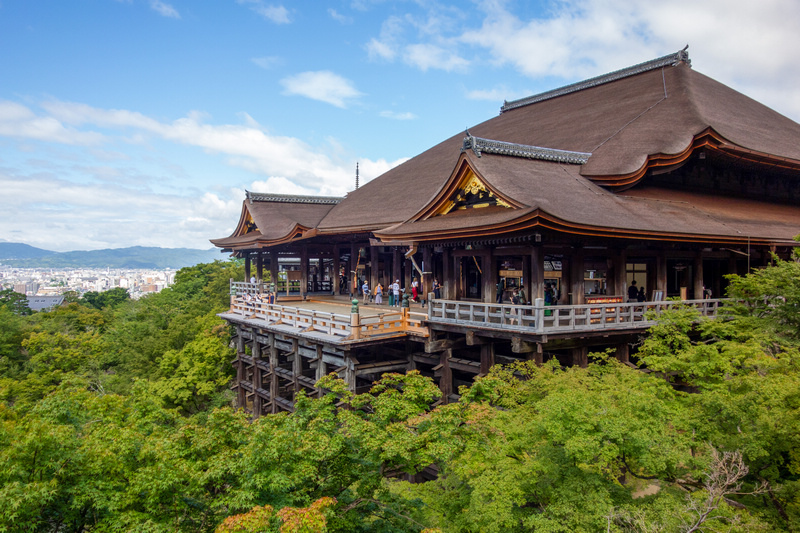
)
(109, 298)
(15, 302)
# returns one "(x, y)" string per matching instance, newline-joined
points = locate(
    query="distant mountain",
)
(18, 250)
(22, 255)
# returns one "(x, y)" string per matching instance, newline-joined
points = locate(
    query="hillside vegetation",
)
(120, 419)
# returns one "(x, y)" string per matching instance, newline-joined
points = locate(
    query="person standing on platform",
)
(641, 297)
(437, 289)
(523, 298)
(633, 292)
(378, 293)
(396, 292)
(415, 290)
(499, 292)
(365, 291)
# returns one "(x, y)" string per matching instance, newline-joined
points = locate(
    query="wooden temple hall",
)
(655, 174)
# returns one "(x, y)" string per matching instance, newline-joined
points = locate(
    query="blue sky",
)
(142, 122)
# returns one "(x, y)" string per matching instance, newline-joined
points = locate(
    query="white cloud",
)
(429, 56)
(338, 17)
(398, 116)
(583, 38)
(385, 48)
(274, 13)
(322, 85)
(267, 62)
(496, 94)
(163, 9)
(19, 121)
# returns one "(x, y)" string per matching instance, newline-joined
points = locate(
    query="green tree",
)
(17, 303)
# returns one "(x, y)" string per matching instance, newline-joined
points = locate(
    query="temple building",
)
(654, 173)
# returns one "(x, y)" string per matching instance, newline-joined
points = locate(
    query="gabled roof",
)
(269, 219)
(561, 159)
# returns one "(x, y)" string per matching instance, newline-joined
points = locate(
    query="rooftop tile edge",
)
(668, 60)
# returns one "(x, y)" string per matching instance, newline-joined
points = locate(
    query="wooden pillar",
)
(426, 282)
(273, 269)
(489, 277)
(297, 366)
(247, 267)
(259, 266)
(537, 273)
(397, 257)
(487, 357)
(620, 281)
(661, 273)
(304, 271)
(336, 269)
(322, 369)
(408, 272)
(457, 290)
(447, 275)
(580, 357)
(374, 263)
(577, 285)
(446, 379)
(274, 389)
(241, 398)
(353, 277)
(623, 352)
(698, 276)
(257, 377)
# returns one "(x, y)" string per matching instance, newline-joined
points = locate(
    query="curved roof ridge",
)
(291, 198)
(490, 146)
(668, 60)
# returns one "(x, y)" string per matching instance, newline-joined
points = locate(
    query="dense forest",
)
(115, 415)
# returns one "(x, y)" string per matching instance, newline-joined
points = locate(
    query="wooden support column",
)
(273, 269)
(580, 357)
(274, 389)
(446, 275)
(297, 365)
(619, 283)
(373, 267)
(427, 266)
(537, 273)
(409, 272)
(259, 266)
(698, 276)
(446, 379)
(241, 394)
(487, 357)
(397, 257)
(489, 277)
(336, 269)
(304, 271)
(322, 369)
(353, 276)
(247, 267)
(623, 352)
(457, 290)
(661, 273)
(257, 377)
(576, 269)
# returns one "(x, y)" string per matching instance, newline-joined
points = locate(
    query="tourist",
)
(633, 292)
(365, 291)
(437, 289)
(415, 290)
(641, 297)
(396, 292)
(378, 293)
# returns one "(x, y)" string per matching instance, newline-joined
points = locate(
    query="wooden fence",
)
(559, 319)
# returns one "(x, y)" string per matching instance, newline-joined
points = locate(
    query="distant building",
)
(44, 303)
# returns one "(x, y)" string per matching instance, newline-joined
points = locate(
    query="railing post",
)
(355, 320)
(538, 311)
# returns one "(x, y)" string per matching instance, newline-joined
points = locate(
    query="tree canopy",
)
(118, 418)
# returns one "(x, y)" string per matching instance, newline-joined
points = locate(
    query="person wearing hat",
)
(396, 292)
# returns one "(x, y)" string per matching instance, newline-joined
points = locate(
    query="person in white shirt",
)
(396, 292)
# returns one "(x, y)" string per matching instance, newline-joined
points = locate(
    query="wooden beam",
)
(473, 339)
(521, 346)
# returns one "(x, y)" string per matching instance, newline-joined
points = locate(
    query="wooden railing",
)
(351, 326)
(557, 319)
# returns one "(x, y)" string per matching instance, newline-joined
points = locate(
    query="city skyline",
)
(142, 122)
